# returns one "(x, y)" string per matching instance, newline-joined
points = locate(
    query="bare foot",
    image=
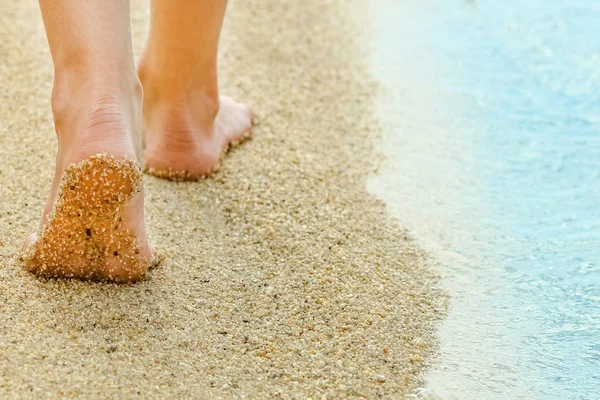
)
(93, 223)
(185, 141)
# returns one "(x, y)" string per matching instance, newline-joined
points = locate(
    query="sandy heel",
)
(84, 236)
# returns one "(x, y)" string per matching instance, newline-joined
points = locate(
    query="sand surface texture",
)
(283, 277)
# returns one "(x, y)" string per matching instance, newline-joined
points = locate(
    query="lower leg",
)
(94, 69)
(187, 124)
(96, 103)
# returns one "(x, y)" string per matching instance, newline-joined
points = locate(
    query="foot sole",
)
(84, 235)
(176, 175)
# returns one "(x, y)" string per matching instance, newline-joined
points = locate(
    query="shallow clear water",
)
(492, 137)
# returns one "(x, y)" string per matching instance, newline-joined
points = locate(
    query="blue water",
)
(492, 132)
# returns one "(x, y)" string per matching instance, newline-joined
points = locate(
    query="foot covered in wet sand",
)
(93, 224)
(84, 235)
(184, 146)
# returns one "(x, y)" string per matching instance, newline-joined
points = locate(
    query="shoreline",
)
(283, 277)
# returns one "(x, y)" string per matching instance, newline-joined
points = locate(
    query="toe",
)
(28, 241)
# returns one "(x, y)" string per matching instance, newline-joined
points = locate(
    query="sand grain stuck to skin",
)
(282, 276)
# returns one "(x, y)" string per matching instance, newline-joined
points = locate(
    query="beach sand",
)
(282, 276)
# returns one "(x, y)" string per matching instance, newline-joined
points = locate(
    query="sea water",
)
(491, 116)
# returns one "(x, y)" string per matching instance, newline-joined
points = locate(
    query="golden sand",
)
(282, 276)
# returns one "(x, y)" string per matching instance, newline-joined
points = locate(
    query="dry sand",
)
(283, 276)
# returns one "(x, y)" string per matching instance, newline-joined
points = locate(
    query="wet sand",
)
(282, 276)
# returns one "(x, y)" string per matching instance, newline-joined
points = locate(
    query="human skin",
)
(188, 125)
(97, 104)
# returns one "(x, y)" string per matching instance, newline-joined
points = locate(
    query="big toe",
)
(28, 241)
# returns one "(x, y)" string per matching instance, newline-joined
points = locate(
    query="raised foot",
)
(84, 236)
(188, 150)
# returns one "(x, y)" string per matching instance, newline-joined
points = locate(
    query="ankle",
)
(179, 95)
(91, 111)
(74, 94)
(193, 112)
